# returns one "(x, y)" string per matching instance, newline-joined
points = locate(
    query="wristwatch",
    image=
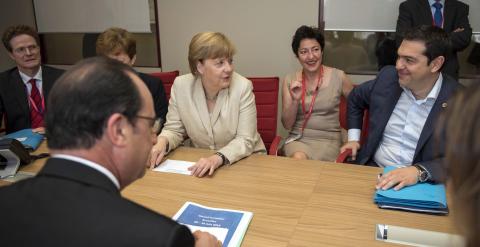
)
(225, 161)
(422, 174)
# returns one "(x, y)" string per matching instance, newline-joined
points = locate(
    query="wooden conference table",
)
(294, 203)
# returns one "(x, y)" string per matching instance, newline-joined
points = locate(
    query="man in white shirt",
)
(100, 132)
(404, 103)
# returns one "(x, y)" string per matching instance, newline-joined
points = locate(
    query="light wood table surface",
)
(341, 211)
(294, 203)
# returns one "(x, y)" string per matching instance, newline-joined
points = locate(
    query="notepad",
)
(29, 139)
(421, 197)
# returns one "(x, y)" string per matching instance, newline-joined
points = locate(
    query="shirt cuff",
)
(354, 134)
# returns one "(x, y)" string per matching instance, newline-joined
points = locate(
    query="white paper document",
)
(175, 166)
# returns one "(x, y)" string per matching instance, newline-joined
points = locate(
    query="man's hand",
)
(460, 29)
(206, 239)
(39, 130)
(206, 166)
(353, 145)
(400, 177)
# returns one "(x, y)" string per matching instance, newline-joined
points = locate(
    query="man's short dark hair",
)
(306, 32)
(83, 98)
(435, 39)
(14, 31)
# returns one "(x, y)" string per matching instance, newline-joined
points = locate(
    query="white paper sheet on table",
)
(175, 166)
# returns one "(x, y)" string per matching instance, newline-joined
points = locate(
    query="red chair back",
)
(266, 99)
(167, 79)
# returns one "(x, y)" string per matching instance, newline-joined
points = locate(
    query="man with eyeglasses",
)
(24, 89)
(100, 132)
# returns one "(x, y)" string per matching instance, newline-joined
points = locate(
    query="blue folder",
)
(27, 137)
(421, 197)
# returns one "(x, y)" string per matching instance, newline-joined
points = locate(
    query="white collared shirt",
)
(37, 77)
(91, 164)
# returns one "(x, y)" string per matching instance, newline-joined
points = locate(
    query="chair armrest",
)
(275, 146)
(342, 157)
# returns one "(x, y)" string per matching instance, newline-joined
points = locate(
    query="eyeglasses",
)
(155, 123)
(23, 50)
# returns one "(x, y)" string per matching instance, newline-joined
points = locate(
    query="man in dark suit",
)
(118, 43)
(100, 131)
(452, 16)
(404, 103)
(25, 88)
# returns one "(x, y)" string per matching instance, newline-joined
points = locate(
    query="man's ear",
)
(437, 63)
(117, 129)
(11, 56)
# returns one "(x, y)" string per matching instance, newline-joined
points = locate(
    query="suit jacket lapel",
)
(426, 12)
(428, 127)
(448, 15)
(71, 170)
(201, 105)
(47, 81)
(20, 91)
(221, 101)
(390, 103)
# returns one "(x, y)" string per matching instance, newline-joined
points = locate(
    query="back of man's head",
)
(83, 98)
(435, 39)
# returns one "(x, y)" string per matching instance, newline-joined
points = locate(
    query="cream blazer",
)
(232, 126)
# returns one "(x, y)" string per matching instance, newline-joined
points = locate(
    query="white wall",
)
(13, 13)
(261, 30)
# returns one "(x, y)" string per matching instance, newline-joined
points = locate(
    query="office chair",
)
(266, 99)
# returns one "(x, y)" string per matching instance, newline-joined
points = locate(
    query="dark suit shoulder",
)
(150, 81)
(8, 73)
(53, 72)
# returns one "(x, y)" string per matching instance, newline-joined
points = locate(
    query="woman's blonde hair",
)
(208, 45)
(114, 39)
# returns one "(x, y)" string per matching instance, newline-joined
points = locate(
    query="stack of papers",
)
(27, 137)
(421, 197)
(228, 226)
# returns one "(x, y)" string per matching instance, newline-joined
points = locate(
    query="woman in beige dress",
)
(311, 97)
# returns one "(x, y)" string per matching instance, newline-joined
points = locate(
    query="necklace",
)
(212, 98)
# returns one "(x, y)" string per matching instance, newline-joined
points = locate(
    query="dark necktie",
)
(36, 108)
(437, 15)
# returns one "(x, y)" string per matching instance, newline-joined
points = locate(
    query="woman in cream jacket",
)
(213, 106)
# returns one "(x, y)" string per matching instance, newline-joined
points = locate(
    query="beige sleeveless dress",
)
(322, 138)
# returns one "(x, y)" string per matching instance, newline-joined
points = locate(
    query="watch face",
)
(423, 176)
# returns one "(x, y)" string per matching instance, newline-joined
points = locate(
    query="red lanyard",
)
(304, 92)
